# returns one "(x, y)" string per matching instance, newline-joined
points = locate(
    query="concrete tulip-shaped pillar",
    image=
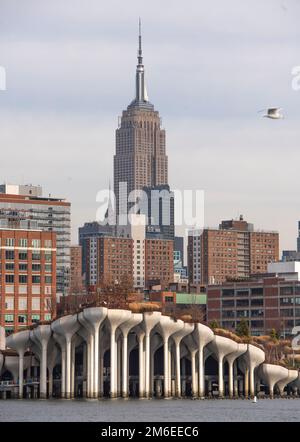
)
(222, 347)
(187, 329)
(203, 335)
(67, 326)
(41, 336)
(193, 348)
(86, 333)
(115, 318)
(291, 376)
(167, 327)
(1, 361)
(94, 316)
(271, 374)
(136, 318)
(253, 358)
(241, 349)
(155, 344)
(11, 364)
(62, 344)
(19, 342)
(149, 322)
(140, 337)
(52, 359)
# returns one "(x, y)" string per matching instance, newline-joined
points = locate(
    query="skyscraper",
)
(140, 159)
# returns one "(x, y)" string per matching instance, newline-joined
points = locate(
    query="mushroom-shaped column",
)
(140, 336)
(52, 359)
(187, 329)
(291, 376)
(149, 322)
(271, 374)
(221, 347)
(167, 327)
(202, 335)
(115, 318)
(62, 343)
(136, 318)
(11, 364)
(41, 336)
(241, 349)
(87, 334)
(66, 327)
(193, 348)
(253, 358)
(94, 316)
(19, 342)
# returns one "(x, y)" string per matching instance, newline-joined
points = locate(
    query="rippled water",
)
(150, 410)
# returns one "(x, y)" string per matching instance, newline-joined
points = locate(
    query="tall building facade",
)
(76, 279)
(27, 278)
(25, 206)
(235, 250)
(140, 159)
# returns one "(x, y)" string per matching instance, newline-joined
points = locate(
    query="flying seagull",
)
(273, 113)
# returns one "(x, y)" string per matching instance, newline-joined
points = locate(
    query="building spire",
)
(140, 94)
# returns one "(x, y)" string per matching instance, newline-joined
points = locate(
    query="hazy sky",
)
(210, 66)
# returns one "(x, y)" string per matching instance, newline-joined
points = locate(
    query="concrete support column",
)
(235, 381)
(50, 383)
(193, 369)
(84, 370)
(201, 372)
(21, 374)
(230, 378)
(178, 374)
(251, 381)
(221, 379)
(101, 370)
(113, 385)
(63, 372)
(147, 365)
(166, 368)
(72, 389)
(96, 363)
(118, 367)
(170, 371)
(246, 384)
(125, 367)
(141, 366)
(43, 371)
(68, 368)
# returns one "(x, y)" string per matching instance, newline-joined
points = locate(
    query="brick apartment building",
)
(76, 281)
(234, 250)
(27, 277)
(266, 302)
(110, 259)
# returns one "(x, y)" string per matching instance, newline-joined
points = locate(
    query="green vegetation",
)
(242, 328)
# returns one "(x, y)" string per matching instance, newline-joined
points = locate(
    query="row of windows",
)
(23, 267)
(23, 242)
(23, 279)
(23, 256)
(22, 319)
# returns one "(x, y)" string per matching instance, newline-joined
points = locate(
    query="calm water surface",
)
(149, 410)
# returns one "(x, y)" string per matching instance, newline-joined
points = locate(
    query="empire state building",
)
(140, 159)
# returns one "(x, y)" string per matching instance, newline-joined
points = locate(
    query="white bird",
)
(273, 113)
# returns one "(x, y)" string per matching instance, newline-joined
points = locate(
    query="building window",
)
(36, 279)
(9, 319)
(36, 256)
(22, 319)
(22, 303)
(48, 279)
(36, 243)
(9, 279)
(23, 256)
(22, 242)
(9, 303)
(9, 254)
(22, 267)
(9, 242)
(9, 266)
(47, 317)
(48, 243)
(35, 304)
(35, 319)
(23, 279)
(36, 267)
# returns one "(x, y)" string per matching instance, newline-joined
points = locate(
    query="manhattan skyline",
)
(68, 78)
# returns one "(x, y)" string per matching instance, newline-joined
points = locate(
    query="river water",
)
(120, 410)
